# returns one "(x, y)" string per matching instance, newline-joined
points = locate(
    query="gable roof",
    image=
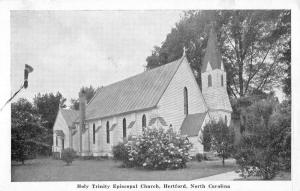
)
(69, 115)
(139, 92)
(212, 53)
(192, 124)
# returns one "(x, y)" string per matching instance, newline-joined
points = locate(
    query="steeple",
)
(212, 54)
(184, 52)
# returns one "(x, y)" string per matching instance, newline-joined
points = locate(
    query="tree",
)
(251, 43)
(222, 139)
(206, 138)
(27, 131)
(265, 145)
(286, 59)
(89, 92)
(47, 106)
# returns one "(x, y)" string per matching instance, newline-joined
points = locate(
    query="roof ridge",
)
(147, 71)
(131, 77)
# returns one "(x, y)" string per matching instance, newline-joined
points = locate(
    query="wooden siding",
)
(171, 105)
(216, 96)
(60, 124)
(220, 115)
(197, 146)
(101, 147)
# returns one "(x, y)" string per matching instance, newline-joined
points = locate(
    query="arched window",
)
(144, 121)
(56, 141)
(222, 80)
(209, 80)
(124, 128)
(94, 132)
(226, 119)
(107, 132)
(63, 144)
(185, 100)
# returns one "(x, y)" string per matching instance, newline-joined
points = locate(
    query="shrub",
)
(205, 157)
(265, 146)
(206, 138)
(68, 155)
(155, 149)
(120, 152)
(199, 157)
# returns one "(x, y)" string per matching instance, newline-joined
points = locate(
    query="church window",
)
(107, 132)
(222, 80)
(185, 100)
(124, 128)
(209, 80)
(144, 121)
(63, 144)
(94, 132)
(56, 141)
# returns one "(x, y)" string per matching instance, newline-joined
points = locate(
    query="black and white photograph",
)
(154, 95)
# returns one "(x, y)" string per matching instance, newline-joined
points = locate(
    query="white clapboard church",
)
(167, 96)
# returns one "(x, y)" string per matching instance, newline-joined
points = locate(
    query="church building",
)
(166, 96)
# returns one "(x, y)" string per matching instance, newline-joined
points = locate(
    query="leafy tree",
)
(222, 139)
(47, 106)
(27, 131)
(286, 59)
(265, 145)
(251, 42)
(206, 138)
(89, 91)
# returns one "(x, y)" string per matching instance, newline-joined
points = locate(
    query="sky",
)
(71, 49)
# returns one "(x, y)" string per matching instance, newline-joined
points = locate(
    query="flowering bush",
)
(155, 149)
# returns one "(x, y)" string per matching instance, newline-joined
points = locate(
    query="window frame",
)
(94, 133)
(144, 121)
(185, 101)
(222, 80)
(107, 133)
(209, 80)
(124, 128)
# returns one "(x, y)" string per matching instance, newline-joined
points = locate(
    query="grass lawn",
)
(109, 170)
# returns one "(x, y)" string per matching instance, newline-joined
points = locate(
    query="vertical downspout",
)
(70, 138)
(82, 106)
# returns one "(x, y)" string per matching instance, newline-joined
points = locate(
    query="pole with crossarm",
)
(27, 70)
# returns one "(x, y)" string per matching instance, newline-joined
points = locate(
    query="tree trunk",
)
(241, 81)
(223, 161)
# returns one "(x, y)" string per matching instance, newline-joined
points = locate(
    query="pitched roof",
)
(192, 124)
(212, 53)
(69, 115)
(160, 119)
(139, 92)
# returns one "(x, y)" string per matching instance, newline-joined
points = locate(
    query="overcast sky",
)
(71, 49)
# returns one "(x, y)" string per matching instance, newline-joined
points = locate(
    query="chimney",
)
(82, 107)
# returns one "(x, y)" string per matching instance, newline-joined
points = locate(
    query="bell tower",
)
(213, 76)
(213, 71)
